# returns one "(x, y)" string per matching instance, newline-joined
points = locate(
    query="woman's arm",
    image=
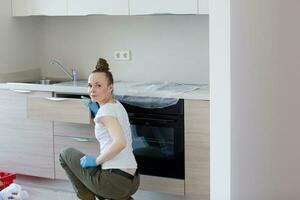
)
(118, 139)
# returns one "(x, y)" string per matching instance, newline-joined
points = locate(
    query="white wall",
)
(172, 48)
(19, 41)
(220, 111)
(265, 100)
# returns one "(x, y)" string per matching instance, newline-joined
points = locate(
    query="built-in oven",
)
(158, 138)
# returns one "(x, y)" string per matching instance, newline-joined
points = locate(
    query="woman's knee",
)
(65, 154)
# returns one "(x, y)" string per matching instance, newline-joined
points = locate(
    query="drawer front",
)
(85, 145)
(58, 109)
(72, 129)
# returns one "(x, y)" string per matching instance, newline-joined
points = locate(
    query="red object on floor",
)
(6, 179)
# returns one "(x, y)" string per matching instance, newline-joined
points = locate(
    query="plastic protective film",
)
(147, 102)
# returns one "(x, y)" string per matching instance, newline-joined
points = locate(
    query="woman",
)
(113, 174)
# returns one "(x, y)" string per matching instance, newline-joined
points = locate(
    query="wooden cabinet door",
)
(94, 7)
(78, 136)
(58, 109)
(196, 117)
(146, 7)
(87, 146)
(26, 146)
(39, 7)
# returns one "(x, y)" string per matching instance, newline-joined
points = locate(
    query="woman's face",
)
(98, 88)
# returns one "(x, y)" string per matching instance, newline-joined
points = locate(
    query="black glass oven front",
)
(158, 139)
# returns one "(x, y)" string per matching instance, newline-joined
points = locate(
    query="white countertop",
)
(120, 88)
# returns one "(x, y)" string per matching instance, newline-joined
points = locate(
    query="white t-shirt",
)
(125, 159)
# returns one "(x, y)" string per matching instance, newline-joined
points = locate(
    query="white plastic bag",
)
(14, 192)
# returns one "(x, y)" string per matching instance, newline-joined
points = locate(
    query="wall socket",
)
(122, 55)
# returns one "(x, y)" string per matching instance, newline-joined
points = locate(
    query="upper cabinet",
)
(105, 7)
(203, 6)
(146, 7)
(39, 7)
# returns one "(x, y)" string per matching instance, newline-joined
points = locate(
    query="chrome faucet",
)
(72, 75)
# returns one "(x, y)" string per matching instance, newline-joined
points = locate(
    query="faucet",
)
(72, 75)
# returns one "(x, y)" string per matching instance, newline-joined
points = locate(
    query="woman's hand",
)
(88, 161)
(93, 106)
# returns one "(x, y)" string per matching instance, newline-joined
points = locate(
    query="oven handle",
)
(160, 121)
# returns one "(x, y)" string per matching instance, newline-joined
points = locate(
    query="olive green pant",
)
(91, 182)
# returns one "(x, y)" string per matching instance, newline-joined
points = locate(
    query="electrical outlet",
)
(122, 55)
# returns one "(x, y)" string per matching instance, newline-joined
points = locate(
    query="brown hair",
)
(103, 67)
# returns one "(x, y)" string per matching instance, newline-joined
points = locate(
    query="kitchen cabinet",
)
(146, 7)
(39, 7)
(26, 145)
(78, 136)
(203, 6)
(105, 7)
(58, 109)
(197, 148)
(36, 127)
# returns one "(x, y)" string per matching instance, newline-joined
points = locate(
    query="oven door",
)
(158, 145)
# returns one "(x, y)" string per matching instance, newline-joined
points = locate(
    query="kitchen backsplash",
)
(163, 47)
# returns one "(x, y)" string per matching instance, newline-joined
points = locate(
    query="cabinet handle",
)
(56, 99)
(78, 139)
(21, 91)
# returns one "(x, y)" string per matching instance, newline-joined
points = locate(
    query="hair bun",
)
(102, 65)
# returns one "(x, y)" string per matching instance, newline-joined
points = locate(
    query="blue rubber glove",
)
(88, 161)
(93, 106)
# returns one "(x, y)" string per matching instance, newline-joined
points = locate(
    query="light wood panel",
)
(26, 145)
(58, 109)
(73, 129)
(160, 184)
(89, 147)
(197, 148)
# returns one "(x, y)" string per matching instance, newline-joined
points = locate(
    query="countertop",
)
(197, 92)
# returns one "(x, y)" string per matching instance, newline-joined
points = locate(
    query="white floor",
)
(48, 189)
